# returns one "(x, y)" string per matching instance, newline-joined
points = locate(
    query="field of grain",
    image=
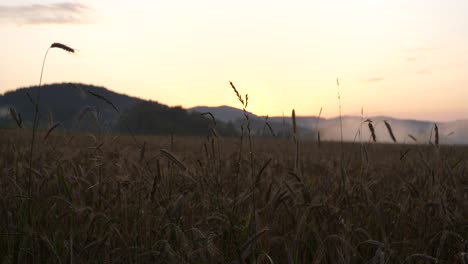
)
(116, 199)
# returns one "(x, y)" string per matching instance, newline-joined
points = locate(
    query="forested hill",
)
(83, 107)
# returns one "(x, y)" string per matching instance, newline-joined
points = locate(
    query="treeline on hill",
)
(80, 107)
(148, 117)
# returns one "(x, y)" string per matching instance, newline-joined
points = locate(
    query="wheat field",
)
(117, 199)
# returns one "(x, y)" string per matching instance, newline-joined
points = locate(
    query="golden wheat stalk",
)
(104, 99)
(51, 128)
(271, 129)
(372, 130)
(36, 115)
(142, 151)
(294, 122)
(54, 45)
(211, 115)
(173, 158)
(237, 94)
(390, 131)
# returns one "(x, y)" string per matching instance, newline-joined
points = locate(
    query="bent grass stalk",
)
(36, 112)
(252, 223)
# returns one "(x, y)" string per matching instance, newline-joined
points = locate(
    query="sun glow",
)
(284, 55)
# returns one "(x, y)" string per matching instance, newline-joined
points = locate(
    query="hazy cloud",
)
(353, 129)
(419, 49)
(37, 14)
(409, 59)
(423, 72)
(375, 79)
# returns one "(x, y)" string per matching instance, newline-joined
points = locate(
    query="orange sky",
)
(399, 58)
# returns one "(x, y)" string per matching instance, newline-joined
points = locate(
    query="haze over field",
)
(76, 108)
(406, 59)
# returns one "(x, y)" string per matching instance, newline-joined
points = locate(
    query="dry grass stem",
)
(173, 158)
(104, 99)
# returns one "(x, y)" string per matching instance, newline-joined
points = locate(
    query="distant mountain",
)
(64, 102)
(260, 126)
(81, 107)
(355, 128)
(87, 107)
(232, 114)
(224, 113)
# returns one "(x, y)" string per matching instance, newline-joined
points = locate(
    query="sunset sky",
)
(402, 58)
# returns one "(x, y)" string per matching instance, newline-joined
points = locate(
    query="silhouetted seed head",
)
(62, 46)
(436, 134)
(389, 128)
(372, 130)
(211, 115)
(237, 94)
